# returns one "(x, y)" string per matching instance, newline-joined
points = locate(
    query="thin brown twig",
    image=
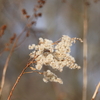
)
(96, 91)
(84, 95)
(4, 71)
(8, 59)
(32, 72)
(18, 78)
(9, 56)
(28, 72)
(11, 92)
(7, 62)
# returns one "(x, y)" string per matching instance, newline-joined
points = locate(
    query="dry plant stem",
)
(4, 70)
(96, 91)
(7, 62)
(9, 56)
(85, 52)
(19, 77)
(32, 72)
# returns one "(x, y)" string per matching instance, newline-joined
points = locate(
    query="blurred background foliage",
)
(59, 17)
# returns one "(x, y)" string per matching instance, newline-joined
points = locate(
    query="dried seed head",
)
(41, 1)
(56, 55)
(12, 38)
(27, 16)
(3, 27)
(24, 12)
(39, 14)
(33, 22)
(40, 6)
(49, 76)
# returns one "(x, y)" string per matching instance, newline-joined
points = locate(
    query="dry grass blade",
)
(96, 91)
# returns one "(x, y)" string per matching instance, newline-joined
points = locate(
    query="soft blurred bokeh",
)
(59, 17)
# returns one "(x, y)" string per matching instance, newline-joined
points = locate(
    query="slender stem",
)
(9, 56)
(4, 70)
(7, 62)
(19, 77)
(96, 91)
(85, 52)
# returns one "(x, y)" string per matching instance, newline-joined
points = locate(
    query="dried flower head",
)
(24, 12)
(2, 29)
(39, 14)
(49, 76)
(13, 38)
(56, 55)
(27, 16)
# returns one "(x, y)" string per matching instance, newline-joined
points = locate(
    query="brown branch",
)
(9, 56)
(96, 91)
(32, 72)
(19, 77)
(84, 95)
(5, 69)
(7, 62)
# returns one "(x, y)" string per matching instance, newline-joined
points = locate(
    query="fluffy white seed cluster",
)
(56, 55)
(49, 76)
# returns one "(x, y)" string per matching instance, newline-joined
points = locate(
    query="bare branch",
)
(7, 62)
(96, 91)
